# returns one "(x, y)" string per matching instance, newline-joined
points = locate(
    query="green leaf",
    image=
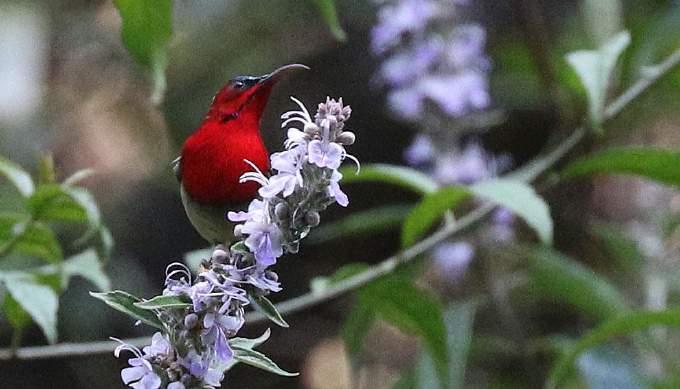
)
(357, 325)
(194, 258)
(557, 276)
(522, 200)
(624, 324)
(249, 344)
(29, 238)
(655, 164)
(430, 209)
(622, 250)
(78, 176)
(259, 360)
(85, 264)
(160, 302)
(125, 302)
(397, 301)
(392, 174)
(264, 306)
(595, 68)
(39, 301)
(330, 15)
(146, 31)
(458, 319)
(17, 176)
(49, 202)
(362, 223)
(17, 317)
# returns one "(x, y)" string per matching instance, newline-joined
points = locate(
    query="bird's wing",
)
(175, 164)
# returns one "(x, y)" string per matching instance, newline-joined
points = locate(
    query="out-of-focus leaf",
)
(606, 367)
(458, 319)
(621, 249)
(408, 380)
(397, 301)
(560, 277)
(146, 31)
(160, 302)
(249, 344)
(39, 301)
(428, 211)
(78, 176)
(392, 174)
(49, 202)
(104, 243)
(85, 264)
(194, 258)
(330, 15)
(522, 200)
(656, 164)
(624, 324)
(17, 176)
(357, 325)
(17, 317)
(264, 306)
(361, 223)
(87, 202)
(125, 302)
(595, 68)
(259, 360)
(29, 238)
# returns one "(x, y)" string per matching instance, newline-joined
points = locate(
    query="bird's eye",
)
(239, 85)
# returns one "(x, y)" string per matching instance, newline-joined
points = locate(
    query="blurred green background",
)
(68, 86)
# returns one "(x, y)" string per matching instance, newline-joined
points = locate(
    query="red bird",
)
(213, 157)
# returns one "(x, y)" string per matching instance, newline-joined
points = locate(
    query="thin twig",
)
(528, 173)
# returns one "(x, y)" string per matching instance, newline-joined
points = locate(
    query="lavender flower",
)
(430, 55)
(452, 259)
(209, 310)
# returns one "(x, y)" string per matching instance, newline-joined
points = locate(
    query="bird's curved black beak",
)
(280, 72)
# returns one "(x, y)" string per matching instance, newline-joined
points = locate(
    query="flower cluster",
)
(305, 183)
(202, 314)
(431, 55)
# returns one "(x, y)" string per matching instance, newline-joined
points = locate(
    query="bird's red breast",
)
(213, 158)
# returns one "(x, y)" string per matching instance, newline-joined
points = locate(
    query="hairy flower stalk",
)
(201, 315)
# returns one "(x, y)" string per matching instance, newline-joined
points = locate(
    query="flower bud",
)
(237, 231)
(190, 320)
(219, 255)
(346, 138)
(293, 247)
(271, 275)
(311, 129)
(313, 218)
(281, 211)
